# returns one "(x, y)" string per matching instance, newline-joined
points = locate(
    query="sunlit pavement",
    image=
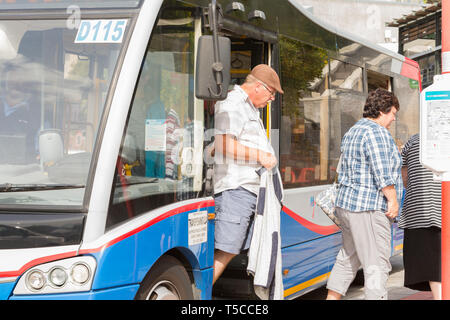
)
(396, 291)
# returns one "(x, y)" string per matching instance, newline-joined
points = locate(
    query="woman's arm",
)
(391, 196)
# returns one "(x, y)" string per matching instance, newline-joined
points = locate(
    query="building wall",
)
(365, 18)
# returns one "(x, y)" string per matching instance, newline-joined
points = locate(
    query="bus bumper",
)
(203, 284)
(118, 293)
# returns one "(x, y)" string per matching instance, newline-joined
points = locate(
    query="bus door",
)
(247, 51)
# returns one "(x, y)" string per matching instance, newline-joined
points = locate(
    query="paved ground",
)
(395, 287)
(396, 290)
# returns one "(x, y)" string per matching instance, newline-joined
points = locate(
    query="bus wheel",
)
(168, 280)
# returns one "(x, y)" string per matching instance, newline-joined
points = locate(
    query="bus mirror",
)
(212, 78)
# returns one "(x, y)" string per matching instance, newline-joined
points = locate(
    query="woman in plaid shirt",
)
(370, 188)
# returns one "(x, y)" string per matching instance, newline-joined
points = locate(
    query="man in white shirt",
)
(241, 147)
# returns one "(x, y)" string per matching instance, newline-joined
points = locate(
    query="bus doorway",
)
(246, 53)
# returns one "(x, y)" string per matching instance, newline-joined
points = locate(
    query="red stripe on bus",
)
(410, 69)
(322, 230)
(35, 262)
(41, 260)
(173, 212)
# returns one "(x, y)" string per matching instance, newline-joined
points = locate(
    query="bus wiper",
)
(31, 233)
(9, 187)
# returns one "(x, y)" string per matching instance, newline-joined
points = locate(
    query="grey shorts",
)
(234, 220)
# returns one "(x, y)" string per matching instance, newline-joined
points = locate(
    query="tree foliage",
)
(301, 65)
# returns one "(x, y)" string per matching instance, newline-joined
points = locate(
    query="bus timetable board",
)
(435, 126)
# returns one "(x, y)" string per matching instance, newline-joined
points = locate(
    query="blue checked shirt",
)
(370, 162)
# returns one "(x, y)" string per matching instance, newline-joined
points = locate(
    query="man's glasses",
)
(272, 94)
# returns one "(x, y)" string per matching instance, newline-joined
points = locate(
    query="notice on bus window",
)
(101, 31)
(198, 227)
(155, 135)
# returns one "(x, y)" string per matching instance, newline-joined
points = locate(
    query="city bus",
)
(106, 191)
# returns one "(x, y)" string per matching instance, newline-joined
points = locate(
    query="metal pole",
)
(445, 240)
(445, 227)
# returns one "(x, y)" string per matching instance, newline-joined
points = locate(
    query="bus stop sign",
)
(435, 127)
(435, 155)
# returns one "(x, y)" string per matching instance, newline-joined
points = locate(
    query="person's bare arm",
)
(228, 146)
(405, 175)
(391, 195)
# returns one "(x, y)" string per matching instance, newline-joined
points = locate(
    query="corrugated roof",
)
(428, 9)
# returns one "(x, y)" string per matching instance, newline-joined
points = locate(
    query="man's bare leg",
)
(221, 260)
(333, 295)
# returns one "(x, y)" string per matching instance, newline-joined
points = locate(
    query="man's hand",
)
(267, 160)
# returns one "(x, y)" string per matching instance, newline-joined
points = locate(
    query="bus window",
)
(53, 91)
(161, 154)
(377, 80)
(407, 124)
(304, 116)
(347, 104)
(406, 92)
(346, 76)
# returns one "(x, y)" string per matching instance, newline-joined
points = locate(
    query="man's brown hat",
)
(267, 75)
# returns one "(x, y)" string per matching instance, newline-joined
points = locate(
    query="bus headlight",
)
(62, 276)
(58, 277)
(80, 273)
(35, 280)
